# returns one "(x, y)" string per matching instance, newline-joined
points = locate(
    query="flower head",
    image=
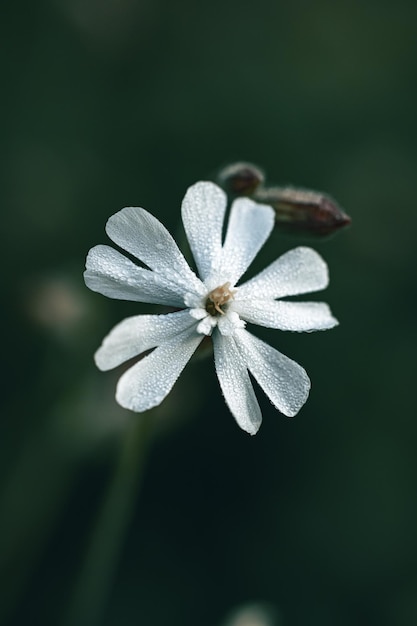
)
(212, 304)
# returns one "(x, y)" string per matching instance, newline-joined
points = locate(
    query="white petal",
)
(301, 270)
(228, 323)
(137, 334)
(284, 381)
(298, 316)
(141, 234)
(193, 301)
(250, 225)
(235, 383)
(198, 313)
(205, 327)
(150, 380)
(203, 210)
(112, 274)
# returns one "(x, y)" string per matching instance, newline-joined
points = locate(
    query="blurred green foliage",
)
(127, 102)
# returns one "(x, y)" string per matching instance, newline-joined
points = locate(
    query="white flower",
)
(213, 304)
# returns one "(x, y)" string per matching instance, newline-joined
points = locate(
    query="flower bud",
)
(303, 211)
(240, 179)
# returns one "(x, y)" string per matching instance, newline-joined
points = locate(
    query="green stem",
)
(96, 577)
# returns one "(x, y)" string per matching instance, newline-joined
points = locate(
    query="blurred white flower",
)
(213, 304)
(253, 615)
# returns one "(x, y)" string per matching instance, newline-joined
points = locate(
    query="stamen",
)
(218, 297)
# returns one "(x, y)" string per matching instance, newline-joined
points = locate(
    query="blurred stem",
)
(97, 574)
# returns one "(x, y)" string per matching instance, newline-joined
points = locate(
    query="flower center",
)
(217, 298)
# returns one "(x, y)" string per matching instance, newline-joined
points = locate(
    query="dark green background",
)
(128, 102)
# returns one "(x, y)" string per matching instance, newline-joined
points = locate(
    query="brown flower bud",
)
(240, 179)
(303, 211)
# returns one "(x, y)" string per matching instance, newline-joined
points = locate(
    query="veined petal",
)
(250, 225)
(297, 316)
(150, 380)
(235, 383)
(301, 270)
(141, 234)
(284, 381)
(112, 274)
(203, 210)
(137, 334)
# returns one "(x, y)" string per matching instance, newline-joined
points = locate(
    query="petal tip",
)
(101, 361)
(249, 428)
(207, 190)
(334, 322)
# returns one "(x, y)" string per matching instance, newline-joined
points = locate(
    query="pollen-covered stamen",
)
(218, 297)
